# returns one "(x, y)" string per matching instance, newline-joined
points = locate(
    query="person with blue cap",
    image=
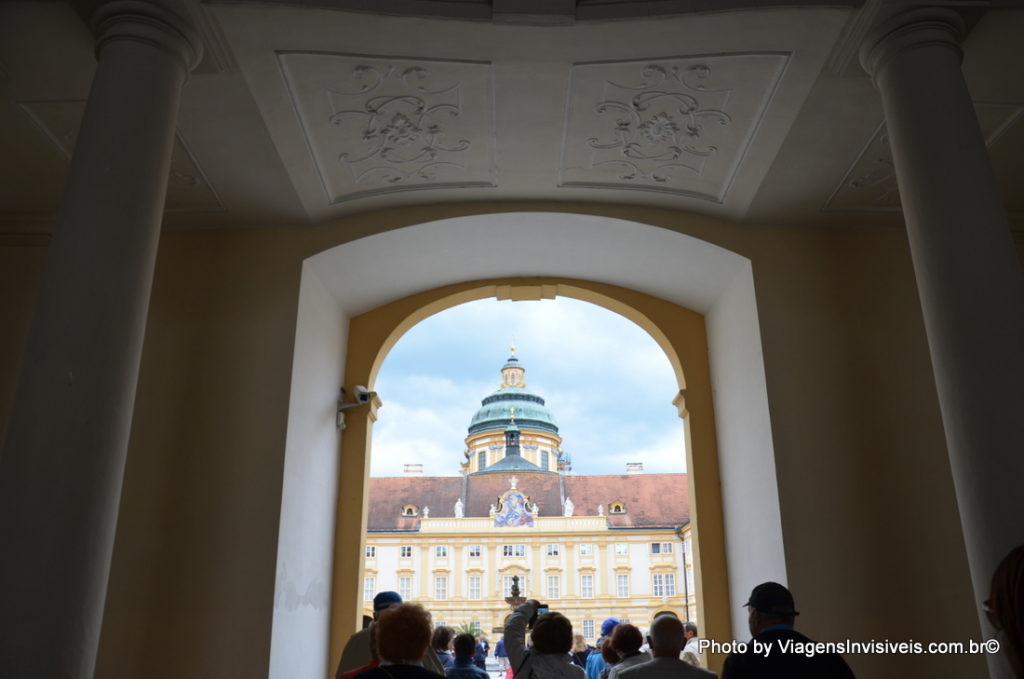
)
(358, 650)
(595, 663)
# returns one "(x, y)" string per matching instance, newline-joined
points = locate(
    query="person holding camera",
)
(551, 636)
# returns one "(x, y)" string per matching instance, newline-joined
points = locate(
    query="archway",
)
(347, 308)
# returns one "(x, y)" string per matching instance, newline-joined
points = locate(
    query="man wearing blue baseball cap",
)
(595, 663)
(775, 652)
(358, 652)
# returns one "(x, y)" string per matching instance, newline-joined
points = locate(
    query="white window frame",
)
(552, 550)
(405, 587)
(587, 549)
(405, 551)
(371, 552)
(474, 551)
(474, 587)
(622, 584)
(586, 586)
(440, 587)
(506, 585)
(369, 587)
(588, 629)
(511, 551)
(661, 548)
(440, 551)
(621, 549)
(554, 586)
(663, 584)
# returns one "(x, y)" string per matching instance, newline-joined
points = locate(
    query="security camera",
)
(362, 394)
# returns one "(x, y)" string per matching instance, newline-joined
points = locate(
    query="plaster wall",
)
(305, 556)
(872, 540)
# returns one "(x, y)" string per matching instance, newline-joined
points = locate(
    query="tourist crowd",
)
(401, 643)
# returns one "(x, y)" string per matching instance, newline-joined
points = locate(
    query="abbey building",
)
(591, 547)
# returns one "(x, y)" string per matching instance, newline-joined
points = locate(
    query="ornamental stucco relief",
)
(188, 189)
(380, 124)
(870, 183)
(679, 125)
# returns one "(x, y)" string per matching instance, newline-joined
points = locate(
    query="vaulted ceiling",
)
(300, 114)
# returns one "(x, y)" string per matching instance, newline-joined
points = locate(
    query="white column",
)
(968, 276)
(64, 453)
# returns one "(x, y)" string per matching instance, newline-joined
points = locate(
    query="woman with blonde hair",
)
(580, 650)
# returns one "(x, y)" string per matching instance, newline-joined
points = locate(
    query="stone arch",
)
(695, 299)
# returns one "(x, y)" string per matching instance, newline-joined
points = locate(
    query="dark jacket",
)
(780, 664)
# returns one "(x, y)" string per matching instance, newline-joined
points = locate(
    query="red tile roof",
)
(651, 500)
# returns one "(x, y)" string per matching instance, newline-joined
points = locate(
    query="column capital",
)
(147, 22)
(910, 29)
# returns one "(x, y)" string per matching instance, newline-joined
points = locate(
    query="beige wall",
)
(872, 538)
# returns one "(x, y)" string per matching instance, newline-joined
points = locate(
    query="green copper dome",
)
(512, 398)
(496, 412)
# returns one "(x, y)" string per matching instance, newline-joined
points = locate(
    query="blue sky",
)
(607, 383)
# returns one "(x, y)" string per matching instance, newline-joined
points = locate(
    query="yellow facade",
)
(574, 564)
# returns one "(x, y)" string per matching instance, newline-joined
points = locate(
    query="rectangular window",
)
(554, 586)
(405, 588)
(371, 551)
(513, 550)
(586, 550)
(506, 585)
(664, 584)
(476, 626)
(405, 551)
(621, 584)
(545, 459)
(474, 550)
(481, 459)
(552, 550)
(441, 551)
(369, 588)
(474, 587)
(587, 586)
(621, 549)
(661, 548)
(588, 629)
(440, 587)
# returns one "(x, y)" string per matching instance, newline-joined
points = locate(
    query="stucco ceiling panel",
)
(679, 125)
(870, 183)
(376, 125)
(188, 189)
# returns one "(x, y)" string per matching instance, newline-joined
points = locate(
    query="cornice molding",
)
(911, 29)
(150, 23)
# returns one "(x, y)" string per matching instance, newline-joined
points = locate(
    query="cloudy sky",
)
(607, 383)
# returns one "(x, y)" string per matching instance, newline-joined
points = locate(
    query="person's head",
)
(666, 636)
(690, 630)
(770, 604)
(608, 626)
(1005, 606)
(552, 633)
(579, 644)
(384, 601)
(442, 638)
(627, 640)
(403, 633)
(465, 646)
(608, 652)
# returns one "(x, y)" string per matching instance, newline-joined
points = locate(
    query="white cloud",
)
(607, 383)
